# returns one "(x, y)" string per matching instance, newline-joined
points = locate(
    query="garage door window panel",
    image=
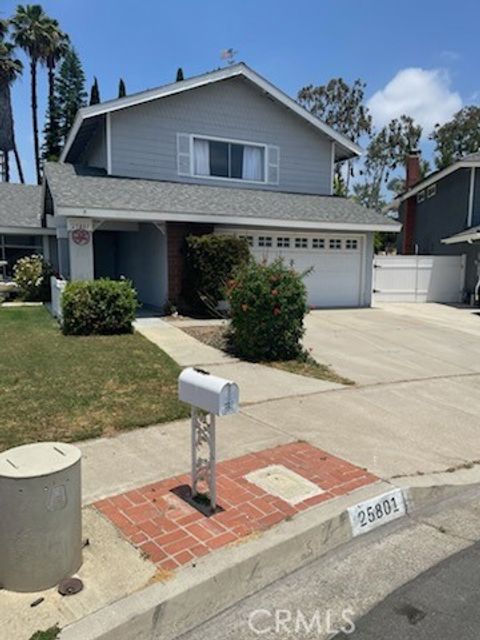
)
(301, 243)
(335, 244)
(264, 241)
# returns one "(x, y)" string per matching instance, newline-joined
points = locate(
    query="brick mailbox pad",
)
(173, 533)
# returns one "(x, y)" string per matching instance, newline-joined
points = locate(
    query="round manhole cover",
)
(70, 586)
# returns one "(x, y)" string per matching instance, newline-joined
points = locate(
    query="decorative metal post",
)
(203, 454)
(208, 396)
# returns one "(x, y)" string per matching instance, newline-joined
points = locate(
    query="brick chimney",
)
(413, 168)
(412, 177)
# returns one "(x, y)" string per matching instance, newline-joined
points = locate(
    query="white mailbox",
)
(210, 393)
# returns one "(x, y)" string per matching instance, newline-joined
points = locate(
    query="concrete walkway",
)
(257, 382)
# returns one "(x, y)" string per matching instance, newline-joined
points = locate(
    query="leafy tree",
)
(342, 107)
(70, 90)
(31, 32)
(458, 137)
(397, 184)
(10, 69)
(94, 92)
(122, 89)
(52, 136)
(388, 149)
(180, 74)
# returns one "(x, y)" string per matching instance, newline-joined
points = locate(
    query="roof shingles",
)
(71, 187)
(20, 205)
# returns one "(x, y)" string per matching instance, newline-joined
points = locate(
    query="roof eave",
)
(439, 175)
(460, 238)
(210, 218)
(350, 148)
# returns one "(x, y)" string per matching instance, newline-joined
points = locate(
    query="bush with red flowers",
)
(268, 303)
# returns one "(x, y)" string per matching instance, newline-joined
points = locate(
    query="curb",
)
(231, 574)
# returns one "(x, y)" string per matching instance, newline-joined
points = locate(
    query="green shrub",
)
(268, 304)
(98, 306)
(210, 262)
(32, 276)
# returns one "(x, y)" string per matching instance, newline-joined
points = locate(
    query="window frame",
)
(421, 196)
(36, 248)
(245, 143)
(431, 190)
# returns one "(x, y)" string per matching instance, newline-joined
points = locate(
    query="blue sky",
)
(417, 56)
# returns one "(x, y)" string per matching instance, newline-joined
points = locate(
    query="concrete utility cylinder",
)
(40, 515)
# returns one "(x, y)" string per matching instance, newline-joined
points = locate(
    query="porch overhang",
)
(469, 236)
(208, 218)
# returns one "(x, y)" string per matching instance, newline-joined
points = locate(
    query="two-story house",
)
(224, 152)
(440, 214)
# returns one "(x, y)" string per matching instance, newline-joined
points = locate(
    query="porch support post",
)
(80, 242)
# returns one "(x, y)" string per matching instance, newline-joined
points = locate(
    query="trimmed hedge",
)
(211, 260)
(267, 304)
(32, 277)
(98, 307)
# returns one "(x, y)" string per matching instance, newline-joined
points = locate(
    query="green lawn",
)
(54, 387)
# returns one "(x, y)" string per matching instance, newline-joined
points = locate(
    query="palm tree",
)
(57, 46)
(31, 32)
(10, 69)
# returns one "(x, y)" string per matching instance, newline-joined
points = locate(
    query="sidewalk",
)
(257, 382)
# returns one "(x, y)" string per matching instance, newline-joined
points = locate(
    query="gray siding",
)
(144, 138)
(476, 199)
(441, 216)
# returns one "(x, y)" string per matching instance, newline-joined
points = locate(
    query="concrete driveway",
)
(415, 409)
(396, 342)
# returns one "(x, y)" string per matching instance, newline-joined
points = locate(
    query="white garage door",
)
(336, 263)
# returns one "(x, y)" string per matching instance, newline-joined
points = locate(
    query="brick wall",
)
(176, 234)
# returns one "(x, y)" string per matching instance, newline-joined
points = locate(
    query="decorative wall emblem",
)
(81, 236)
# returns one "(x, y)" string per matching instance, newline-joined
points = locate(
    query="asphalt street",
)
(417, 579)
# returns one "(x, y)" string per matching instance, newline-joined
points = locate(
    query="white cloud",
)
(423, 94)
(450, 56)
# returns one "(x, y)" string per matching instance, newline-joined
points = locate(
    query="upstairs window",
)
(431, 190)
(219, 159)
(420, 196)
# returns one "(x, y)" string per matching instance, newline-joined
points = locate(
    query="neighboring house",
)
(225, 152)
(21, 230)
(440, 214)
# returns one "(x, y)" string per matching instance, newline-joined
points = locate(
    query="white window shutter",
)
(273, 164)
(184, 165)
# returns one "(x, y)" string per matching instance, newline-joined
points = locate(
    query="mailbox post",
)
(209, 396)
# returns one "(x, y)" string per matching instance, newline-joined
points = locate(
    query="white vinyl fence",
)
(418, 278)
(57, 286)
